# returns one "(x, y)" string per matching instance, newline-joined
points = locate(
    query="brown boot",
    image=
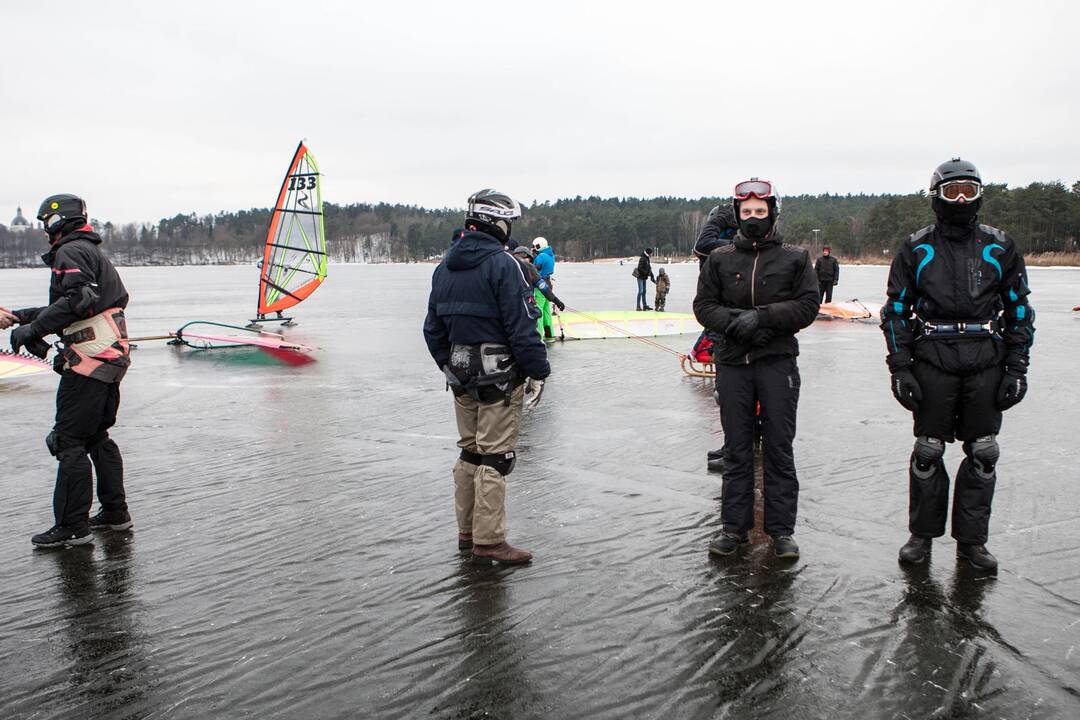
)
(501, 554)
(464, 541)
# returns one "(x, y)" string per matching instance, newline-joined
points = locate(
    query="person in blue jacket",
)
(545, 265)
(481, 331)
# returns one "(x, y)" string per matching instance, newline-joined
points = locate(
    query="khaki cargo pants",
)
(480, 491)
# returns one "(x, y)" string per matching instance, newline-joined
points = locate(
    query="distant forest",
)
(1042, 217)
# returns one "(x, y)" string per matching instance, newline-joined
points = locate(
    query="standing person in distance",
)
(754, 295)
(86, 309)
(481, 331)
(644, 272)
(958, 330)
(525, 257)
(544, 260)
(663, 287)
(828, 273)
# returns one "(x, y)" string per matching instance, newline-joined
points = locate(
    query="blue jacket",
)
(545, 262)
(479, 295)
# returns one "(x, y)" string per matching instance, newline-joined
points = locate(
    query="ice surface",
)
(294, 553)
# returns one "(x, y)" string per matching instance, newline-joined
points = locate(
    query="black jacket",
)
(83, 284)
(975, 277)
(644, 268)
(827, 269)
(479, 295)
(775, 278)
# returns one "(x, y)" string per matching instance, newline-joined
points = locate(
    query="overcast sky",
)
(151, 109)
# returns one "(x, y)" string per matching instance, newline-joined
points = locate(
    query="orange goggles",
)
(960, 191)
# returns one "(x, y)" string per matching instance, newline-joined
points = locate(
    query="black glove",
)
(905, 388)
(742, 328)
(1012, 389)
(762, 337)
(24, 336)
(559, 304)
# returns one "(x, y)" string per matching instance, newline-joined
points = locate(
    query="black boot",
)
(784, 546)
(59, 535)
(979, 557)
(916, 550)
(727, 543)
(116, 520)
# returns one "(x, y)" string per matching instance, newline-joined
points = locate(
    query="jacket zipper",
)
(753, 282)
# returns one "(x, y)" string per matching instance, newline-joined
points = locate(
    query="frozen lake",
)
(294, 551)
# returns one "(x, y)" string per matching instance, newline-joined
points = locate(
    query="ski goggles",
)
(761, 189)
(960, 191)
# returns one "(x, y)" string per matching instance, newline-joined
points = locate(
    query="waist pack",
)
(97, 348)
(485, 372)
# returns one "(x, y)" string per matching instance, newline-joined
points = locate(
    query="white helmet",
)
(539, 244)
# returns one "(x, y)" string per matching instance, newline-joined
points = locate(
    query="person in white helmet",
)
(545, 265)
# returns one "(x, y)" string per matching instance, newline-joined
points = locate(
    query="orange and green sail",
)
(294, 259)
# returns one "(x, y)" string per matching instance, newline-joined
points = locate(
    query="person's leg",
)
(828, 292)
(82, 405)
(978, 424)
(777, 384)
(735, 383)
(640, 293)
(935, 424)
(106, 458)
(465, 413)
(545, 319)
(497, 429)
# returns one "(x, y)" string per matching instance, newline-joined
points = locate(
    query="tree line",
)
(1042, 217)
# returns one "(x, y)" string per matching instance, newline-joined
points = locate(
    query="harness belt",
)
(987, 328)
(97, 348)
(485, 372)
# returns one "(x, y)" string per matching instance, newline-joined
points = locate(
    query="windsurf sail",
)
(240, 337)
(619, 324)
(294, 258)
(20, 365)
(849, 310)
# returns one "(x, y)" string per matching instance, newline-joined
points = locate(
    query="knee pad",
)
(924, 458)
(65, 447)
(502, 463)
(471, 457)
(984, 453)
(50, 443)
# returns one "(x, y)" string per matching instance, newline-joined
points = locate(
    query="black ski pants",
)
(774, 382)
(961, 407)
(826, 291)
(85, 410)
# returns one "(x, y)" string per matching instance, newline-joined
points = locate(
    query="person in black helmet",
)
(86, 310)
(958, 330)
(754, 295)
(481, 331)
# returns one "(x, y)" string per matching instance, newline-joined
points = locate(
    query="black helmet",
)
(955, 169)
(58, 210)
(493, 211)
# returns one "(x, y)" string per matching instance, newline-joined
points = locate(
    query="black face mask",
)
(755, 228)
(961, 215)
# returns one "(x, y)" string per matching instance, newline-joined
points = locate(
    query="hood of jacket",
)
(547, 251)
(469, 248)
